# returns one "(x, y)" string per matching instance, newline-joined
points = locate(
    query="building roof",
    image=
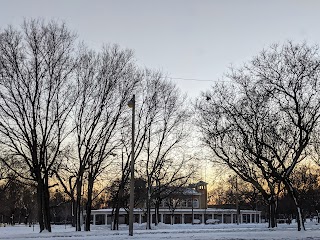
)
(200, 183)
(190, 192)
(178, 210)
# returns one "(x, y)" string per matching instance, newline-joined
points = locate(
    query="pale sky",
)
(183, 38)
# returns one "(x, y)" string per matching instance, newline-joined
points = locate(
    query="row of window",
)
(181, 203)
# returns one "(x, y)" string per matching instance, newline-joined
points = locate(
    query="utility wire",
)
(197, 80)
(193, 79)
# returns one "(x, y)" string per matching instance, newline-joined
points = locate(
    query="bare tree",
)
(314, 150)
(161, 118)
(232, 189)
(166, 119)
(140, 138)
(229, 128)
(174, 200)
(263, 123)
(36, 96)
(305, 180)
(169, 182)
(105, 84)
(66, 176)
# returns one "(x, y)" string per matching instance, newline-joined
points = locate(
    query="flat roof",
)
(178, 210)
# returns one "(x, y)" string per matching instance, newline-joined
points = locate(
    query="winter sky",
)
(184, 38)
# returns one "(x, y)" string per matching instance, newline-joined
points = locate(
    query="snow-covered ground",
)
(181, 231)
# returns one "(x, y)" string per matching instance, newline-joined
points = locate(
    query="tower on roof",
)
(201, 187)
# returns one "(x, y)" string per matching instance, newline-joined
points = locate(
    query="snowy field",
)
(182, 231)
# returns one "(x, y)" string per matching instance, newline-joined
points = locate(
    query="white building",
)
(191, 203)
(180, 216)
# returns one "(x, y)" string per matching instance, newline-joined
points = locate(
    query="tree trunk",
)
(89, 203)
(294, 195)
(156, 220)
(156, 210)
(43, 198)
(88, 215)
(46, 205)
(148, 226)
(117, 207)
(78, 205)
(40, 204)
(272, 212)
(116, 218)
(73, 216)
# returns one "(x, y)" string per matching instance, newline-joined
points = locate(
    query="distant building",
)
(181, 207)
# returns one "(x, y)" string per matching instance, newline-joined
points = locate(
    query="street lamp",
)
(234, 183)
(132, 104)
(237, 201)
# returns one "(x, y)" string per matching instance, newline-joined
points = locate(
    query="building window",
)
(195, 203)
(183, 203)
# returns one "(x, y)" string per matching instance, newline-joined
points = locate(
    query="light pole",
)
(132, 104)
(237, 201)
(192, 213)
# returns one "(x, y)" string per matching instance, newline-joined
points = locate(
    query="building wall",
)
(181, 216)
(201, 187)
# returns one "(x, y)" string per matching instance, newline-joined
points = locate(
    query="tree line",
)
(264, 122)
(305, 180)
(65, 122)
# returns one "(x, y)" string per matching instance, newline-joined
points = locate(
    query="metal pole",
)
(192, 208)
(237, 201)
(132, 104)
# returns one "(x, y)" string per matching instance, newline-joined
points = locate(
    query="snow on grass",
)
(164, 231)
